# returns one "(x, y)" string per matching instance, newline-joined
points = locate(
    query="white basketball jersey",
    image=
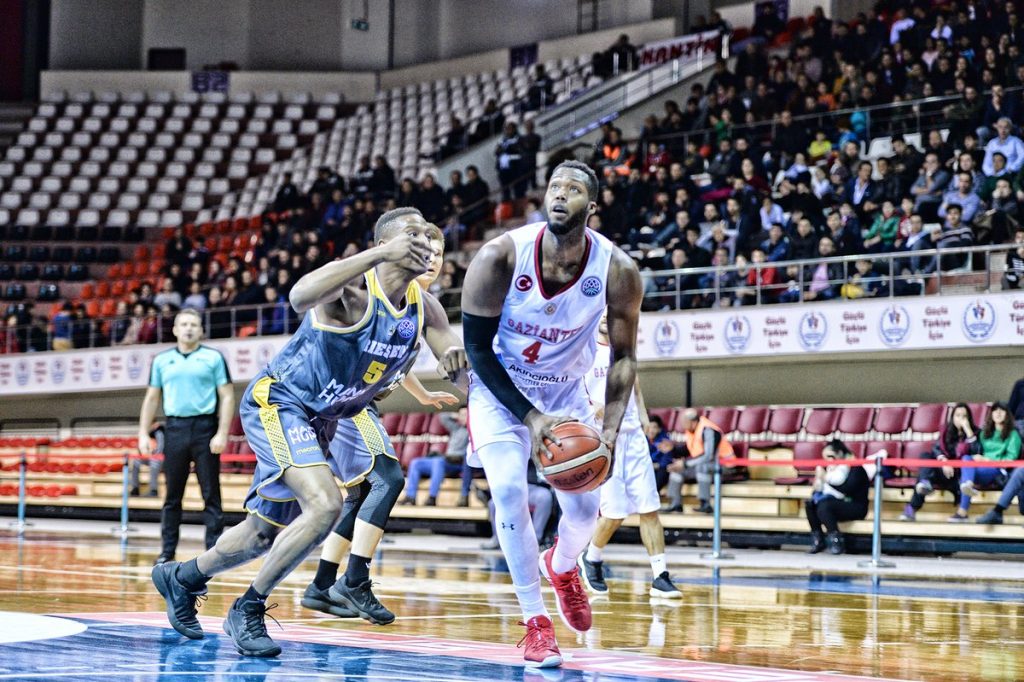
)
(597, 381)
(548, 338)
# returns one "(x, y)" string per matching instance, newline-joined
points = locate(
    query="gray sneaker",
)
(320, 600)
(592, 573)
(362, 600)
(664, 588)
(993, 517)
(245, 624)
(182, 605)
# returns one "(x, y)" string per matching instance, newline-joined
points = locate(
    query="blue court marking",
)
(139, 653)
(886, 587)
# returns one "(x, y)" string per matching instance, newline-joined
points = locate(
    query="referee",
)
(199, 402)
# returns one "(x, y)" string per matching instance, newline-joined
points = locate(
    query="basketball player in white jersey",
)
(631, 488)
(531, 302)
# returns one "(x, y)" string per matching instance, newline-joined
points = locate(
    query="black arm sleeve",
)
(478, 334)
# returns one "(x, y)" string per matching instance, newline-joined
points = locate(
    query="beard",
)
(569, 224)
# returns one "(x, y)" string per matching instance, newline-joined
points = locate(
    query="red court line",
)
(609, 662)
(891, 461)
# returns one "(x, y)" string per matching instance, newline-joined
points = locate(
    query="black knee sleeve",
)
(353, 502)
(386, 483)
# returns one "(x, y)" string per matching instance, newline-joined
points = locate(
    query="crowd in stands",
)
(755, 168)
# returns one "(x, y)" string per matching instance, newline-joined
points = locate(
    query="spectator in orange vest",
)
(705, 445)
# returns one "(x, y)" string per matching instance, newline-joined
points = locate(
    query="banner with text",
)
(837, 327)
(685, 48)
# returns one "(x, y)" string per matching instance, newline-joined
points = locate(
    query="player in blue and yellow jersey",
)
(373, 479)
(365, 315)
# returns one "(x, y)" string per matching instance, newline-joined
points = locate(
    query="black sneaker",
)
(993, 517)
(181, 604)
(246, 626)
(704, 508)
(664, 588)
(593, 575)
(319, 600)
(362, 600)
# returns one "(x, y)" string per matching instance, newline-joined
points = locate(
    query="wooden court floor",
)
(458, 621)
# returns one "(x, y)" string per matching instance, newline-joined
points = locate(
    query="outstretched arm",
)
(625, 292)
(444, 343)
(483, 295)
(324, 283)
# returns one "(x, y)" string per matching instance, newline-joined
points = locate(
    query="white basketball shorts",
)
(631, 489)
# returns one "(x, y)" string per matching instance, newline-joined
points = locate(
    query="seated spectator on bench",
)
(438, 467)
(958, 437)
(705, 445)
(1013, 278)
(999, 441)
(840, 494)
(662, 449)
(1013, 488)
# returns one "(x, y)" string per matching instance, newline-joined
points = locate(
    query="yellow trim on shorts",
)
(373, 438)
(264, 518)
(272, 422)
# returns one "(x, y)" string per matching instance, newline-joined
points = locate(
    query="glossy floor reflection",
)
(458, 620)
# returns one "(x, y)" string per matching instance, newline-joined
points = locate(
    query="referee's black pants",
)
(187, 440)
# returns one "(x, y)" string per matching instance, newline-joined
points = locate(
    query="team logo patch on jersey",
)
(591, 286)
(406, 329)
(524, 283)
(550, 309)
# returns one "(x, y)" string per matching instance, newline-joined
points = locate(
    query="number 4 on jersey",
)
(532, 353)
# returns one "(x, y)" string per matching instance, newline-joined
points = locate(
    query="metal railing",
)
(605, 102)
(915, 117)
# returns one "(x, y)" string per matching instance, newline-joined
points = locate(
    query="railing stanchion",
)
(876, 528)
(21, 523)
(716, 553)
(123, 528)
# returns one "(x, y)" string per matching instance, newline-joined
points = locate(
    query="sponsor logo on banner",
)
(115, 366)
(58, 370)
(134, 363)
(96, 368)
(406, 329)
(736, 334)
(591, 286)
(979, 321)
(77, 369)
(813, 331)
(243, 358)
(41, 372)
(5, 373)
(685, 48)
(21, 372)
(894, 325)
(666, 337)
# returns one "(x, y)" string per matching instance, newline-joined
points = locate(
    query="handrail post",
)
(20, 524)
(876, 528)
(125, 486)
(716, 553)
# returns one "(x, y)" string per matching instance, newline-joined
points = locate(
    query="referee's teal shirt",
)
(189, 381)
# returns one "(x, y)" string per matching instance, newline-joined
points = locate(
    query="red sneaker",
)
(541, 648)
(573, 604)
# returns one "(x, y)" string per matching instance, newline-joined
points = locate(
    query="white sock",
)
(658, 564)
(530, 600)
(562, 561)
(594, 553)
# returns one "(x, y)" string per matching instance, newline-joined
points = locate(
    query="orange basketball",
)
(581, 463)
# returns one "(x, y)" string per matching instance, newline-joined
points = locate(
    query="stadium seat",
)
(803, 451)
(822, 421)
(907, 476)
(753, 421)
(979, 411)
(892, 420)
(784, 424)
(724, 417)
(855, 421)
(928, 419)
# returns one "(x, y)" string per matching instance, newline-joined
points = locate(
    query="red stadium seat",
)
(92, 308)
(892, 420)
(855, 421)
(115, 271)
(786, 421)
(128, 269)
(117, 290)
(822, 421)
(980, 413)
(392, 422)
(412, 451)
(915, 449)
(103, 289)
(88, 290)
(753, 421)
(108, 308)
(141, 253)
(724, 417)
(928, 418)
(416, 424)
(159, 251)
(803, 451)
(436, 428)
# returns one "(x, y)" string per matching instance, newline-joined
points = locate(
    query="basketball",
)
(581, 463)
